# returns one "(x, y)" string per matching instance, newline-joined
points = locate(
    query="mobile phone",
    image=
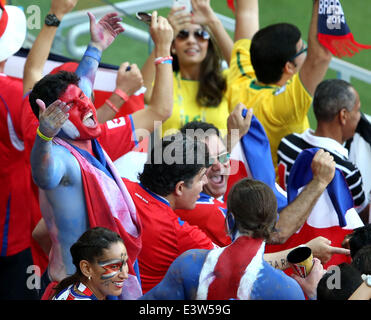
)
(144, 17)
(183, 3)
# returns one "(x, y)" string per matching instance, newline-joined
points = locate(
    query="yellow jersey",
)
(280, 110)
(186, 108)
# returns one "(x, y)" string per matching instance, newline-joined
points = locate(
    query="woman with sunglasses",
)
(100, 258)
(197, 52)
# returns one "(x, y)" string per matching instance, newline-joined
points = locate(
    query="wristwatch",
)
(52, 20)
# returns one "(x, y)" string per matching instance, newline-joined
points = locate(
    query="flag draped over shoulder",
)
(333, 31)
(251, 157)
(332, 217)
(109, 205)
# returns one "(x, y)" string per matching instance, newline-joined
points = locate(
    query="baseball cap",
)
(13, 30)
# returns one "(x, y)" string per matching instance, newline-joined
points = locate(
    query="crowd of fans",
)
(191, 226)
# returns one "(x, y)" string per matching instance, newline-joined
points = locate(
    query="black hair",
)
(176, 158)
(193, 127)
(339, 288)
(331, 96)
(50, 88)
(362, 260)
(271, 47)
(89, 247)
(359, 238)
(254, 207)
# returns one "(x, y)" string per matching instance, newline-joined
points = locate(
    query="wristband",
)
(121, 94)
(42, 136)
(93, 52)
(112, 106)
(162, 60)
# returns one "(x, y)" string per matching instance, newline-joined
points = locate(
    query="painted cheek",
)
(111, 270)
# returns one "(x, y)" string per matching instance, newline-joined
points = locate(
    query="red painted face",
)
(82, 123)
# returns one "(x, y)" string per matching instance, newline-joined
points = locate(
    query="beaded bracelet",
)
(112, 106)
(162, 60)
(43, 136)
(121, 94)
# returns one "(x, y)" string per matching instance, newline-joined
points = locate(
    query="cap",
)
(13, 29)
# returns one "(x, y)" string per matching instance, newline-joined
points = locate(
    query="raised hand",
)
(62, 7)
(202, 12)
(179, 19)
(323, 167)
(161, 33)
(52, 118)
(105, 31)
(236, 120)
(129, 81)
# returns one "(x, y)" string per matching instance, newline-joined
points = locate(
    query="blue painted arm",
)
(87, 69)
(47, 164)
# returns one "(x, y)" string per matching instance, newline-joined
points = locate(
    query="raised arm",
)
(33, 69)
(296, 213)
(102, 35)
(178, 19)
(128, 80)
(47, 168)
(161, 104)
(204, 15)
(238, 124)
(318, 57)
(247, 19)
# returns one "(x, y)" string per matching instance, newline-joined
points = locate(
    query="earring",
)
(89, 278)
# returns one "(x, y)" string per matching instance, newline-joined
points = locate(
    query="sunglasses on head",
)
(198, 34)
(223, 158)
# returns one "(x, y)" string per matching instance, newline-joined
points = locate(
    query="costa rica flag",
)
(251, 157)
(333, 216)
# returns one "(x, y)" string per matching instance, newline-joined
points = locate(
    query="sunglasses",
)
(303, 49)
(223, 158)
(198, 34)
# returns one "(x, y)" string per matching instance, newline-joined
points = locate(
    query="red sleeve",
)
(191, 237)
(118, 137)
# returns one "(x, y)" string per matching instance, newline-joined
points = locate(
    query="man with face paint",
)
(79, 186)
